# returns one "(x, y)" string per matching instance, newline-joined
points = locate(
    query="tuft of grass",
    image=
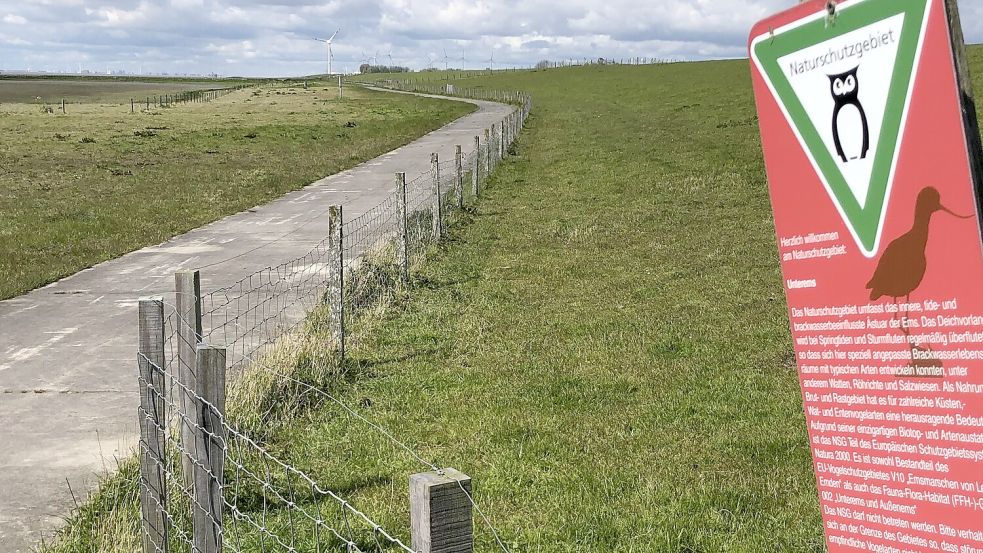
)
(108, 521)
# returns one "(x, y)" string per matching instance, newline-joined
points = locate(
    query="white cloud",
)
(274, 37)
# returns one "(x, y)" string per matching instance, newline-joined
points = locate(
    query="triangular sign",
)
(844, 83)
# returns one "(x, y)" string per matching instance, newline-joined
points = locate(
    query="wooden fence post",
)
(474, 170)
(187, 291)
(501, 140)
(336, 301)
(402, 238)
(506, 133)
(437, 209)
(153, 483)
(487, 153)
(131, 106)
(495, 146)
(458, 177)
(209, 449)
(440, 512)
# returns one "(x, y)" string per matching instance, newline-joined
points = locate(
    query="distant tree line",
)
(367, 68)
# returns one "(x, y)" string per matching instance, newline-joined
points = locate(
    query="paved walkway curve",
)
(68, 386)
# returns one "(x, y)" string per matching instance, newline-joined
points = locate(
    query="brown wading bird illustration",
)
(901, 267)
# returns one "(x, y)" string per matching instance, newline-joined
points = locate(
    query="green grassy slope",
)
(607, 342)
(605, 349)
(603, 346)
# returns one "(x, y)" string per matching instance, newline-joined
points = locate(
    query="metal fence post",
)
(437, 208)
(187, 290)
(402, 239)
(153, 484)
(474, 170)
(209, 449)
(458, 177)
(440, 512)
(336, 301)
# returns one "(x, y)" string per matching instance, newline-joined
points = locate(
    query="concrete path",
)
(68, 381)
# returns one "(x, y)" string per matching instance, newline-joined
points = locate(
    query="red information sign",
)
(879, 236)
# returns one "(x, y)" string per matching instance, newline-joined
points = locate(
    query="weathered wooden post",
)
(153, 485)
(341, 88)
(474, 169)
(487, 153)
(402, 233)
(458, 177)
(436, 209)
(209, 450)
(187, 291)
(131, 106)
(495, 135)
(506, 133)
(501, 141)
(440, 512)
(63, 105)
(336, 292)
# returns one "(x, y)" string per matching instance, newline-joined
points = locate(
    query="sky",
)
(276, 37)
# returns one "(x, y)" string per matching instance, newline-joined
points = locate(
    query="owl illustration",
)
(845, 89)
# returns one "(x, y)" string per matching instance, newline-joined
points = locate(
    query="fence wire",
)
(203, 467)
(249, 499)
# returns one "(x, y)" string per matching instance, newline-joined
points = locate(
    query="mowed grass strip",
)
(81, 188)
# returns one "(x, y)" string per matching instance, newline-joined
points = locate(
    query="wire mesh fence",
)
(207, 482)
(221, 490)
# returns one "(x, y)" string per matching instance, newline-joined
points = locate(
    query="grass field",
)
(603, 345)
(99, 182)
(73, 91)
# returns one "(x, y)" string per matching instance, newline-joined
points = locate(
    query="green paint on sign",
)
(844, 86)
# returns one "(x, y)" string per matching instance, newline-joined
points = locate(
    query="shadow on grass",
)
(364, 366)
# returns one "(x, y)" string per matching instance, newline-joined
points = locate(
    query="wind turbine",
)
(491, 60)
(464, 61)
(330, 53)
(445, 59)
(390, 54)
(375, 60)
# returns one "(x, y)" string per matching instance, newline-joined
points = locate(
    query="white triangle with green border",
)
(844, 86)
